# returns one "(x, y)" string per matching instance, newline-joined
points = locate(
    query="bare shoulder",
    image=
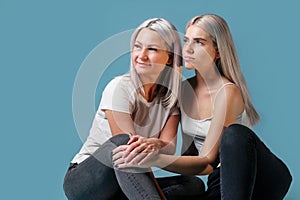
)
(232, 90)
(234, 98)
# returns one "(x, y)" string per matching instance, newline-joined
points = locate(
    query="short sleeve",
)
(175, 110)
(117, 96)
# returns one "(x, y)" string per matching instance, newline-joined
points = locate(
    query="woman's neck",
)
(210, 81)
(149, 92)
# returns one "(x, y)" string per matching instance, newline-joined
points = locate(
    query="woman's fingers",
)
(143, 156)
(133, 139)
(119, 161)
(147, 159)
(149, 152)
(117, 156)
(137, 150)
(120, 148)
(134, 143)
(137, 158)
(124, 165)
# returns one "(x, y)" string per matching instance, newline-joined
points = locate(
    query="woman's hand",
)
(119, 160)
(137, 152)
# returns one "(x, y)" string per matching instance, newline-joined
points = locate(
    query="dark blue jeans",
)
(249, 170)
(95, 178)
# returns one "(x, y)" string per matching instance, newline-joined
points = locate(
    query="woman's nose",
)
(188, 48)
(143, 54)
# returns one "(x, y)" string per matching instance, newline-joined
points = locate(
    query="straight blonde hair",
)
(169, 81)
(228, 63)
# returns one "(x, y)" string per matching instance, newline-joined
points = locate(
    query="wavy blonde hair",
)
(169, 81)
(228, 63)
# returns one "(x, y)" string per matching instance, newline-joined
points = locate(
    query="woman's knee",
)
(236, 135)
(119, 139)
(70, 190)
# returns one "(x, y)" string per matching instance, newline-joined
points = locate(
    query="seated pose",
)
(143, 102)
(216, 120)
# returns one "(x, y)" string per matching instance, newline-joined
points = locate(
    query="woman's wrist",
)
(157, 161)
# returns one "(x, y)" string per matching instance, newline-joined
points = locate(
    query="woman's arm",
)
(168, 135)
(228, 106)
(186, 165)
(119, 122)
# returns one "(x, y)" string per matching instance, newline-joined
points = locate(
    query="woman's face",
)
(149, 55)
(198, 50)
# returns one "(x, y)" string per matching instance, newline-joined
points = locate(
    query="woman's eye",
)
(152, 49)
(185, 40)
(136, 46)
(198, 42)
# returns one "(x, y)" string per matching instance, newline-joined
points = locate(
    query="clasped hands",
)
(138, 152)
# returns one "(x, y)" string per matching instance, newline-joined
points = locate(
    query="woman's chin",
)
(189, 67)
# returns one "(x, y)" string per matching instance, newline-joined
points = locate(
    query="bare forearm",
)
(186, 165)
(164, 146)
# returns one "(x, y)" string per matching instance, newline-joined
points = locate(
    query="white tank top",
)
(198, 129)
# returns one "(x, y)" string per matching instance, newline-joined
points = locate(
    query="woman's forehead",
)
(196, 31)
(150, 38)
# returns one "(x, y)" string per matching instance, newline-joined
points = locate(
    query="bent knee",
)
(236, 135)
(120, 139)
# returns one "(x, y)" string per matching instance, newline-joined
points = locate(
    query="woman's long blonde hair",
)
(228, 63)
(169, 81)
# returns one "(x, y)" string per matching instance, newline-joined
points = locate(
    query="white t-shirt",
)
(198, 129)
(120, 95)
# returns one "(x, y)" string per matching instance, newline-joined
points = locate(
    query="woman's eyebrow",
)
(196, 38)
(153, 44)
(199, 38)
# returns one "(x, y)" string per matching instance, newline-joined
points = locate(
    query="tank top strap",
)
(230, 83)
(223, 87)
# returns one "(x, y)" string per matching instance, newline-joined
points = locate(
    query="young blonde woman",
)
(216, 117)
(144, 103)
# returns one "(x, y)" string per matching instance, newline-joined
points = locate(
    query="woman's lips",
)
(142, 64)
(188, 58)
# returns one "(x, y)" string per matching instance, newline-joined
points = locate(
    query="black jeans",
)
(249, 170)
(95, 178)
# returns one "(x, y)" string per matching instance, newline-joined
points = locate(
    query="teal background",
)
(43, 43)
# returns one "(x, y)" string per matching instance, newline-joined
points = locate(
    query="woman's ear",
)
(170, 59)
(217, 53)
